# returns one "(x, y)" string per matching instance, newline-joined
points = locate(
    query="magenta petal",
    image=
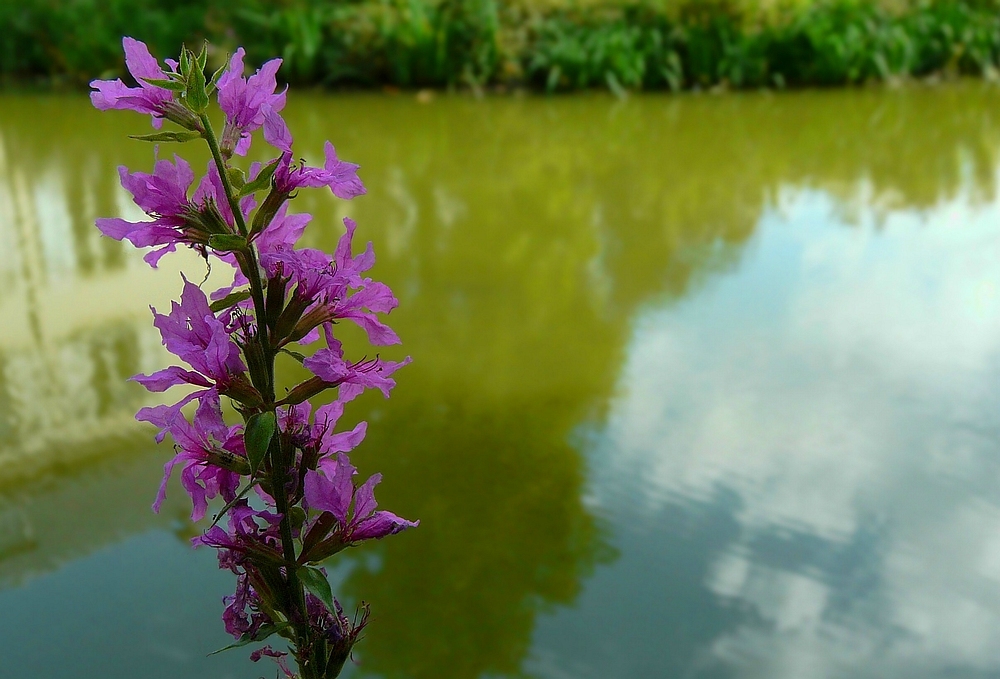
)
(343, 442)
(169, 377)
(276, 131)
(364, 498)
(342, 177)
(108, 93)
(161, 494)
(199, 496)
(115, 227)
(378, 332)
(331, 491)
(153, 258)
(380, 525)
(139, 61)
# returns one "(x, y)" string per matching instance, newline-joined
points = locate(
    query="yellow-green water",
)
(702, 387)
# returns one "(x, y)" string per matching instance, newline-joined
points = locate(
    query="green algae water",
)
(702, 387)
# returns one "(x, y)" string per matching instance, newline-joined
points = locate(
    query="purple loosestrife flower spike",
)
(293, 458)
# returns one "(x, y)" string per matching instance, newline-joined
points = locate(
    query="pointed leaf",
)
(229, 300)
(314, 581)
(172, 85)
(263, 633)
(236, 177)
(218, 74)
(294, 354)
(227, 242)
(196, 95)
(262, 181)
(257, 437)
(167, 136)
(185, 61)
(203, 57)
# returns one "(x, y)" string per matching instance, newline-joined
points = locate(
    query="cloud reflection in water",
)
(801, 462)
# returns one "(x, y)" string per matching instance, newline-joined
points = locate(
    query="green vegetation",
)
(475, 43)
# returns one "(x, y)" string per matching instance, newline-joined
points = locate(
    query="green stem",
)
(213, 144)
(250, 266)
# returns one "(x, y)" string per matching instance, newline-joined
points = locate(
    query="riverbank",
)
(480, 43)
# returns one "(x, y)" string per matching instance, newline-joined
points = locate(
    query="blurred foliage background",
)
(547, 44)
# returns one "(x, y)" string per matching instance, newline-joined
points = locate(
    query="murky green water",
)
(703, 387)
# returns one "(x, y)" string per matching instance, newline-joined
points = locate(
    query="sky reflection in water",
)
(705, 387)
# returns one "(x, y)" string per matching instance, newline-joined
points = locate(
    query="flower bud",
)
(265, 213)
(176, 112)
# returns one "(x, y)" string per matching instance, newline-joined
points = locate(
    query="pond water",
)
(702, 387)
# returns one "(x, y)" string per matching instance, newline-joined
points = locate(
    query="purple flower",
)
(340, 176)
(163, 195)
(331, 491)
(247, 102)
(246, 536)
(211, 194)
(208, 451)
(176, 219)
(146, 98)
(279, 237)
(192, 332)
(320, 436)
(333, 288)
(329, 365)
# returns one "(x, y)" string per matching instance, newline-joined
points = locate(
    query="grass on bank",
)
(547, 44)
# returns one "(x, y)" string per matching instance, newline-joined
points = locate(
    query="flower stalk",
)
(284, 472)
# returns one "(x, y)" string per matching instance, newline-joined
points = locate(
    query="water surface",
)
(703, 387)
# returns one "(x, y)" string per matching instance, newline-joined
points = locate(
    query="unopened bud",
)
(176, 112)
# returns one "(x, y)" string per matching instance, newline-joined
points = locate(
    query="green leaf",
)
(218, 74)
(227, 242)
(197, 97)
(263, 633)
(173, 85)
(294, 354)
(236, 177)
(263, 180)
(257, 437)
(229, 300)
(202, 59)
(167, 136)
(185, 61)
(314, 580)
(297, 515)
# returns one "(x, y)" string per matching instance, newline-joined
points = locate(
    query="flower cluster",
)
(306, 504)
